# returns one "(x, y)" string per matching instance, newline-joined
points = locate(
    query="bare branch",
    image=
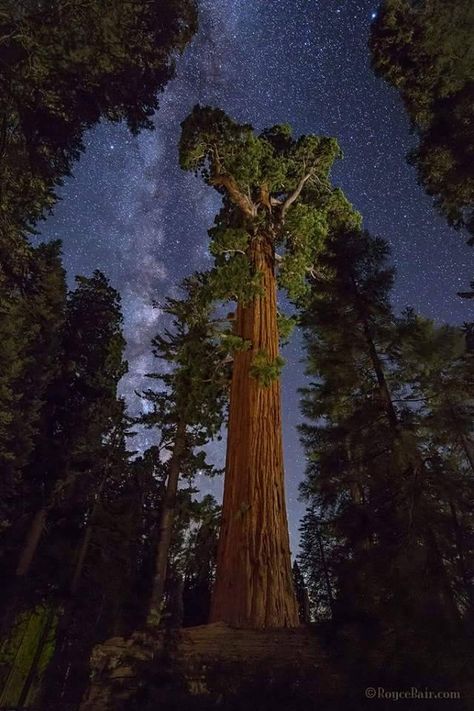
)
(232, 251)
(312, 271)
(295, 195)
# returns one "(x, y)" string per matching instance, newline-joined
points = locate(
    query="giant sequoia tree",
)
(276, 194)
(425, 49)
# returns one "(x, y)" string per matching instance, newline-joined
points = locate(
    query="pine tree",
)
(200, 561)
(189, 410)
(191, 559)
(316, 562)
(301, 594)
(381, 476)
(64, 67)
(424, 49)
(437, 369)
(77, 474)
(84, 570)
(83, 403)
(276, 193)
(30, 353)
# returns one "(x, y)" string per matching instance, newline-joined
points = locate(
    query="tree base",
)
(200, 667)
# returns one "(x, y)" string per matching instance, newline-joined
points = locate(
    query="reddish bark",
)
(254, 586)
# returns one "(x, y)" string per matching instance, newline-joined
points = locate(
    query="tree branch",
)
(224, 180)
(265, 196)
(238, 198)
(315, 274)
(295, 195)
(232, 251)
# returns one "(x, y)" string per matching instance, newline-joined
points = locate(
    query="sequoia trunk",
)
(254, 586)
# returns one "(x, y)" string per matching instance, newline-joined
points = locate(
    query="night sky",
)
(131, 212)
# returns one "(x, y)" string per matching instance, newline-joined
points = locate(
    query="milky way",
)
(132, 213)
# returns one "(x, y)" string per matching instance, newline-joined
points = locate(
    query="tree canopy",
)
(271, 183)
(425, 50)
(63, 68)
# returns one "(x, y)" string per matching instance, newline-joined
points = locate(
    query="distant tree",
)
(316, 563)
(200, 563)
(276, 193)
(424, 49)
(188, 410)
(64, 67)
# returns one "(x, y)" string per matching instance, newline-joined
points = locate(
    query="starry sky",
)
(131, 212)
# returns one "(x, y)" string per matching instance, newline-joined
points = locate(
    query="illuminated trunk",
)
(254, 586)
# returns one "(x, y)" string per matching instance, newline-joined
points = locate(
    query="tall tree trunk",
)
(32, 541)
(83, 550)
(166, 526)
(254, 586)
(87, 536)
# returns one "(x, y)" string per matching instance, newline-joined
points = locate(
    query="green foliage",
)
(73, 426)
(210, 139)
(316, 560)
(265, 370)
(31, 330)
(293, 274)
(276, 189)
(286, 326)
(445, 157)
(233, 343)
(307, 229)
(425, 50)
(234, 280)
(386, 539)
(195, 378)
(93, 366)
(213, 145)
(228, 241)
